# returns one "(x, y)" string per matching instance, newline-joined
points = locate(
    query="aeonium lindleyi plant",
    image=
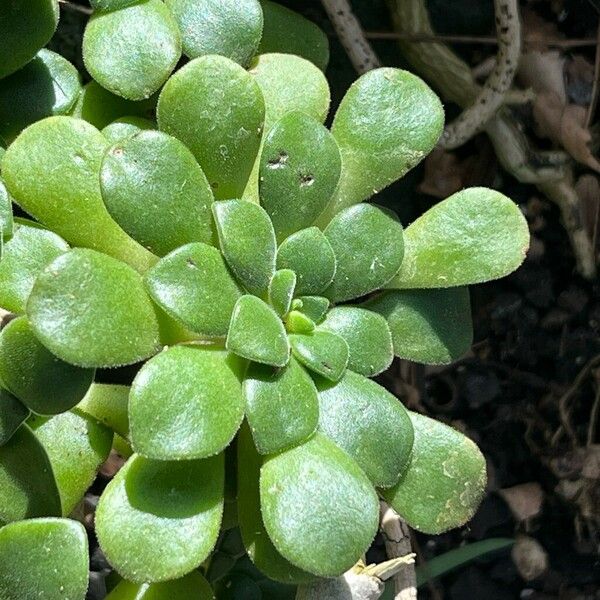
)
(218, 236)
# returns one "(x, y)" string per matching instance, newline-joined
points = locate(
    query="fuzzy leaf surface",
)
(322, 352)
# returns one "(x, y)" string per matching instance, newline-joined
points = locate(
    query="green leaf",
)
(185, 403)
(132, 51)
(428, 326)
(191, 587)
(52, 172)
(231, 28)
(281, 406)
(248, 243)
(27, 485)
(194, 286)
(473, 236)
(76, 446)
(309, 254)
(368, 245)
(12, 414)
(323, 352)
(288, 31)
(158, 520)
(107, 404)
(445, 480)
(110, 5)
(300, 168)
(258, 545)
(388, 121)
(368, 337)
(6, 215)
(44, 383)
(125, 127)
(281, 291)
(25, 255)
(48, 85)
(257, 333)
(298, 322)
(216, 109)
(24, 28)
(93, 311)
(314, 307)
(44, 558)
(154, 189)
(319, 508)
(370, 424)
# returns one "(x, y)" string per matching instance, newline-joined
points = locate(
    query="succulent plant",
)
(206, 227)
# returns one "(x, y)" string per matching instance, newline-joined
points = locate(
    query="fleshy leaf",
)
(231, 28)
(281, 406)
(388, 121)
(428, 326)
(76, 446)
(288, 31)
(445, 480)
(186, 403)
(368, 245)
(300, 168)
(314, 307)
(257, 333)
(44, 383)
(12, 414)
(323, 352)
(259, 546)
(52, 172)
(158, 520)
(223, 131)
(248, 243)
(309, 254)
(299, 322)
(473, 236)
(6, 215)
(24, 29)
(93, 311)
(319, 508)
(154, 189)
(48, 85)
(27, 485)
(25, 255)
(110, 5)
(191, 587)
(107, 404)
(281, 291)
(132, 51)
(368, 337)
(124, 127)
(44, 558)
(370, 424)
(194, 286)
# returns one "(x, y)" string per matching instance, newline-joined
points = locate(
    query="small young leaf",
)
(368, 337)
(132, 51)
(93, 311)
(44, 558)
(52, 172)
(300, 168)
(12, 414)
(299, 322)
(27, 485)
(25, 255)
(158, 520)
(194, 286)
(323, 352)
(370, 424)
(48, 85)
(216, 109)
(154, 189)
(231, 28)
(428, 326)
(125, 127)
(445, 480)
(107, 404)
(281, 291)
(191, 587)
(248, 243)
(44, 383)
(185, 403)
(309, 254)
(473, 236)
(314, 307)
(281, 406)
(288, 31)
(319, 508)
(379, 144)
(76, 446)
(368, 246)
(257, 333)
(24, 28)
